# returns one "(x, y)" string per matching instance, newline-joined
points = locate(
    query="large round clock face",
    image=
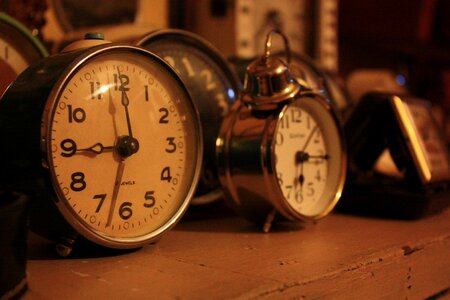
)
(210, 82)
(18, 49)
(124, 146)
(308, 151)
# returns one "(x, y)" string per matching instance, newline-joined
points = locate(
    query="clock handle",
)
(269, 45)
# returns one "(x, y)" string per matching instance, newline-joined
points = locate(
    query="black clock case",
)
(371, 128)
(21, 109)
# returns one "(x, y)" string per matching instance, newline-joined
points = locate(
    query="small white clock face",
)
(308, 157)
(125, 146)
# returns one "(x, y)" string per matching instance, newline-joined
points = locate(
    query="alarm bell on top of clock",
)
(281, 148)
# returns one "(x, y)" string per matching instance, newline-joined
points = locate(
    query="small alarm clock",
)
(281, 148)
(109, 137)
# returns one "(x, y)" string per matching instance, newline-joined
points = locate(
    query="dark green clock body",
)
(213, 86)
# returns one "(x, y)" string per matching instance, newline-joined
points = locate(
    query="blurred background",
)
(400, 46)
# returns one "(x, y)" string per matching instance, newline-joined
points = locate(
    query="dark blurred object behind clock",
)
(30, 12)
(409, 37)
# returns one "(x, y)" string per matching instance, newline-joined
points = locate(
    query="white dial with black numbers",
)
(308, 155)
(124, 147)
(212, 85)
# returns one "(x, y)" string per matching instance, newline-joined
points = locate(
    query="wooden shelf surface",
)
(225, 257)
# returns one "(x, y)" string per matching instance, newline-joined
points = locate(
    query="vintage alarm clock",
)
(18, 49)
(213, 85)
(406, 127)
(281, 148)
(111, 134)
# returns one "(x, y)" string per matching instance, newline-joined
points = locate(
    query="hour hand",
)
(302, 156)
(97, 148)
(125, 101)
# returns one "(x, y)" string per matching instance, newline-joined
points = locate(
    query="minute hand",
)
(309, 138)
(125, 102)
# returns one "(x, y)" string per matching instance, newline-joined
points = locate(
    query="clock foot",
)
(269, 220)
(65, 246)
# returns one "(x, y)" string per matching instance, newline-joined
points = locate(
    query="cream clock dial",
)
(121, 178)
(306, 163)
(119, 139)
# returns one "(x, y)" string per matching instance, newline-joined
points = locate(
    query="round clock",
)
(118, 136)
(18, 49)
(281, 148)
(212, 84)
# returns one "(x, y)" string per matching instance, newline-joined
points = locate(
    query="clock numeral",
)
(78, 184)
(285, 122)
(298, 196)
(210, 84)
(69, 147)
(318, 177)
(289, 190)
(279, 138)
(95, 90)
(165, 174)
(120, 82)
(188, 66)
(310, 191)
(171, 143)
(280, 179)
(222, 104)
(317, 138)
(150, 200)
(164, 116)
(296, 115)
(125, 211)
(76, 114)
(102, 198)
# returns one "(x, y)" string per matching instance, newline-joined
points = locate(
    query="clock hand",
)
(125, 101)
(309, 138)
(97, 148)
(326, 156)
(112, 107)
(117, 182)
(302, 156)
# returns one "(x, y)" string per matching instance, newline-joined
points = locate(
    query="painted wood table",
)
(212, 255)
